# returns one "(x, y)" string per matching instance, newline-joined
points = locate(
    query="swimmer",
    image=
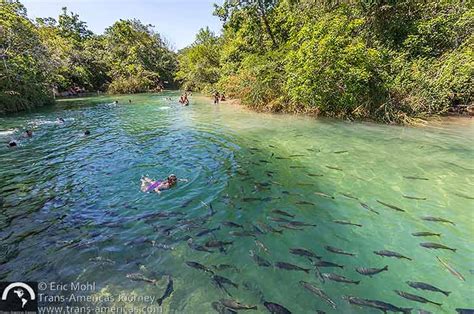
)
(87, 132)
(129, 101)
(148, 185)
(12, 144)
(60, 120)
(116, 102)
(28, 133)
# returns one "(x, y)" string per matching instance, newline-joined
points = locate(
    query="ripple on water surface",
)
(71, 207)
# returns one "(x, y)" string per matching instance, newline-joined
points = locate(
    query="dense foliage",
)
(48, 56)
(392, 61)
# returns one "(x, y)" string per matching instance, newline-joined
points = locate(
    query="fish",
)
(324, 195)
(279, 219)
(391, 254)
(334, 168)
(414, 297)
(304, 203)
(415, 178)
(297, 167)
(436, 219)
(370, 271)
(221, 267)
(232, 224)
(221, 309)
(268, 228)
(341, 152)
(369, 208)
(337, 251)
(236, 305)
(425, 286)
(465, 311)
(141, 277)
(243, 233)
(391, 206)
(251, 199)
(453, 271)
(264, 161)
(349, 196)
(301, 224)
(431, 245)
(222, 280)
(464, 196)
(288, 266)
(282, 158)
(258, 230)
(338, 278)
(199, 266)
(259, 260)
(414, 198)
(101, 260)
(314, 175)
(296, 155)
(289, 226)
(198, 247)
(344, 222)
(207, 231)
(327, 264)
(320, 293)
(425, 234)
(217, 243)
(276, 308)
(383, 306)
(282, 213)
(304, 252)
(169, 290)
(261, 246)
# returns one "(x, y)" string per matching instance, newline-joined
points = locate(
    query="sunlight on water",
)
(72, 210)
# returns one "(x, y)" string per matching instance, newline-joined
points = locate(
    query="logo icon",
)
(18, 297)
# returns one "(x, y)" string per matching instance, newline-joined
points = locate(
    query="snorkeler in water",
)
(149, 185)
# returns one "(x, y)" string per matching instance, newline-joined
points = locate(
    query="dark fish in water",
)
(415, 178)
(320, 312)
(465, 311)
(337, 251)
(320, 293)
(243, 233)
(282, 158)
(341, 152)
(207, 231)
(391, 206)
(304, 203)
(272, 146)
(222, 267)
(169, 290)
(199, 266)
(369, 208)
(259, 260)
(282, 213)
(232, 224)
(301, 224)
(221, 309)
(314, 175)
(437, 219)
(264, 161)
(289, 226)
(258, 230)
(391, 254)
(451, 269)
(235, 305)
(222, 280)
(415, 198)
(288, 266)
(334, 168)
(251, 199)
(217, 243)
(349, 196)
(338, 278)
(344, 222)
(464, 196)
(297, 167)
(275, 308)
(425, 234)
(198, 247)
(383, 306)
(370, 271)
(140, 277)
(304, 252)
(268, 228)
(327, 264)
(425, 286)
(324, 195)
(414, 297)
(430, 245)
(279, 219)
(297, 155)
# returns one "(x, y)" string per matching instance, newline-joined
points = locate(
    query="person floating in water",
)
(60, 120)
(216, 98)
(223, 97)
(28, 133)
(149, 185)
(184, 99)
(87, 132)
(12, 143)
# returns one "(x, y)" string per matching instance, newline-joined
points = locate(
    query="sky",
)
(176, 20)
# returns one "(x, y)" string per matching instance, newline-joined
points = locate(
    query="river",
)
(72, 209)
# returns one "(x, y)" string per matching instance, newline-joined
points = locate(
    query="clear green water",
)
(68, 199)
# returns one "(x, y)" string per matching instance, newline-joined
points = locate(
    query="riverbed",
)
(72, 210)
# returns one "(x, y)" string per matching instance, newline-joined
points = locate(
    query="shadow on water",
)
(258, 186)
